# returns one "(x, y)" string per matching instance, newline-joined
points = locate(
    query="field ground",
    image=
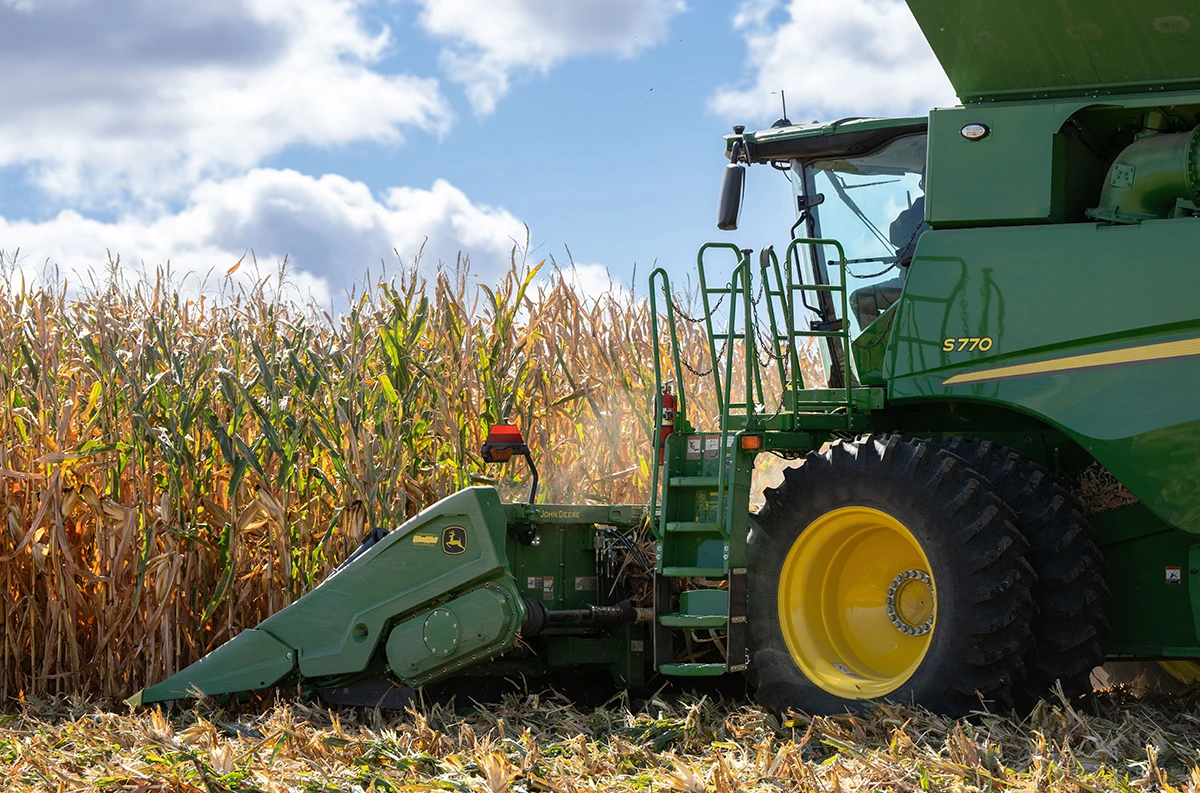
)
(542, 742)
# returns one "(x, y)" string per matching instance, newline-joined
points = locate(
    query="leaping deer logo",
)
(454, 540)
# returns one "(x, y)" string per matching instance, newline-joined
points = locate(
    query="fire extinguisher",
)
(668, 421)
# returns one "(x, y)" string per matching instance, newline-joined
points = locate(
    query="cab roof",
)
(849, 137)
(996, 50)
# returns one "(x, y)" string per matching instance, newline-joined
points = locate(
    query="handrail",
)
(681, 404)
(704, 292)
(768, 262)
(742, 273)
(841, 288)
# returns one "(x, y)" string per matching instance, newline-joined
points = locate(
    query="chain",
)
(693, 370)
(881, 338)
(692, 319)
(884, 271)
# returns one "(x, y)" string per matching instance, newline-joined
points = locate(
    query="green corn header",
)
(1000, 485)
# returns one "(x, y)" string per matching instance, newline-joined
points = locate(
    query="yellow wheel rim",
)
(857, 603)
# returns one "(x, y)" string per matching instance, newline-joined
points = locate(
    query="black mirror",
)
(733, 186)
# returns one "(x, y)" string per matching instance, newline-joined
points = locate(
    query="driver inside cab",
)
(871, 301)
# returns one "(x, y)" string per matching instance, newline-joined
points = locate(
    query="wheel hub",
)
(910, 602)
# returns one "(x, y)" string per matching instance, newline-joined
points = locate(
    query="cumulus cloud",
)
(490, 42)
(333, 229)
(148, 97)
(834, 59)
(593, 281)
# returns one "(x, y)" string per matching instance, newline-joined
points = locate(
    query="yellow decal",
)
(559, 514)
(454, 540)
(425, 539)
(968, 344)
(1187, 348)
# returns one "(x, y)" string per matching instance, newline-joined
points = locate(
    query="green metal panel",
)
(467, 630)
(1007, 177)
(1030, 168)
(1046, 297)
(1151, 613)
(560, 570)
(1028, 49)
(400, 574)
(252, 659)
(335, 630)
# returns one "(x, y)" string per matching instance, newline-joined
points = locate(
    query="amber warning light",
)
(503, 441)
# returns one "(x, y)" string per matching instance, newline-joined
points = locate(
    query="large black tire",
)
(983, 582)
(1071, 593)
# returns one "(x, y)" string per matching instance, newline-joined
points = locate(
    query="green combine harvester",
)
(1000, 486)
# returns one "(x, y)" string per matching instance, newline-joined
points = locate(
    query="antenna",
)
(783, 122)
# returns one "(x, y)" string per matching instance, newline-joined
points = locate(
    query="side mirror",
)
(733, 186)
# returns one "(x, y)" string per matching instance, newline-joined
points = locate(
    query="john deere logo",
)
(454, 540)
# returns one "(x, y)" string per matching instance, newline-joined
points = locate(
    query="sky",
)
(346, 133)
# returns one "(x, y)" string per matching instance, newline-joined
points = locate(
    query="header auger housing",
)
(999, 481)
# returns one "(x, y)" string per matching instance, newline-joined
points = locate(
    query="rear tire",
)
(916, 506)
(1071, 593)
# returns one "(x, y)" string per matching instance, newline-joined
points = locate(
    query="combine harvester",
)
(1006, 296)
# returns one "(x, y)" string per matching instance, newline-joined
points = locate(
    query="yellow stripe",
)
(1148, 352)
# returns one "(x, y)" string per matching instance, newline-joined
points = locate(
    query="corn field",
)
(176, 465)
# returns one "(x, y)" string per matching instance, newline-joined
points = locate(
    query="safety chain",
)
(881, 338)
(692, 319)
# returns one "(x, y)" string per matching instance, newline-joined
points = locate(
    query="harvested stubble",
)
(530, 742)
(175, 469)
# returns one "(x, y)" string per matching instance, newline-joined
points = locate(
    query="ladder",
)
(700, 501)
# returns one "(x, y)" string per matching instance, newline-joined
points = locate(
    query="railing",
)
(660, 275)
(843, 333)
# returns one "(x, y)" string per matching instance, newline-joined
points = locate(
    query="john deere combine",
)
(1000, 484)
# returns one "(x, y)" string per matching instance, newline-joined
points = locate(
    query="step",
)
(685, 527)
(694, 572)
(822, 334)
(693, 670)
(694, 481)
(693, 621)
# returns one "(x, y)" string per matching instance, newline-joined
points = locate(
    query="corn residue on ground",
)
(541, 742)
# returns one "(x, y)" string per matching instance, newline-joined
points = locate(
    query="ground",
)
(524, 741)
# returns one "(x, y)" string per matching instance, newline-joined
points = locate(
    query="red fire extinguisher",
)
(668, 421)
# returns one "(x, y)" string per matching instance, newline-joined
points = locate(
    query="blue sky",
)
(333, 131)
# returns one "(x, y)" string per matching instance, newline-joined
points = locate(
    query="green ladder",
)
(693, 507)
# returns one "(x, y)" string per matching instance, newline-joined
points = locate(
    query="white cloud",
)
(331, 228)
(493, 40)
(144, 98)
(834, 59)
(592, 281)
